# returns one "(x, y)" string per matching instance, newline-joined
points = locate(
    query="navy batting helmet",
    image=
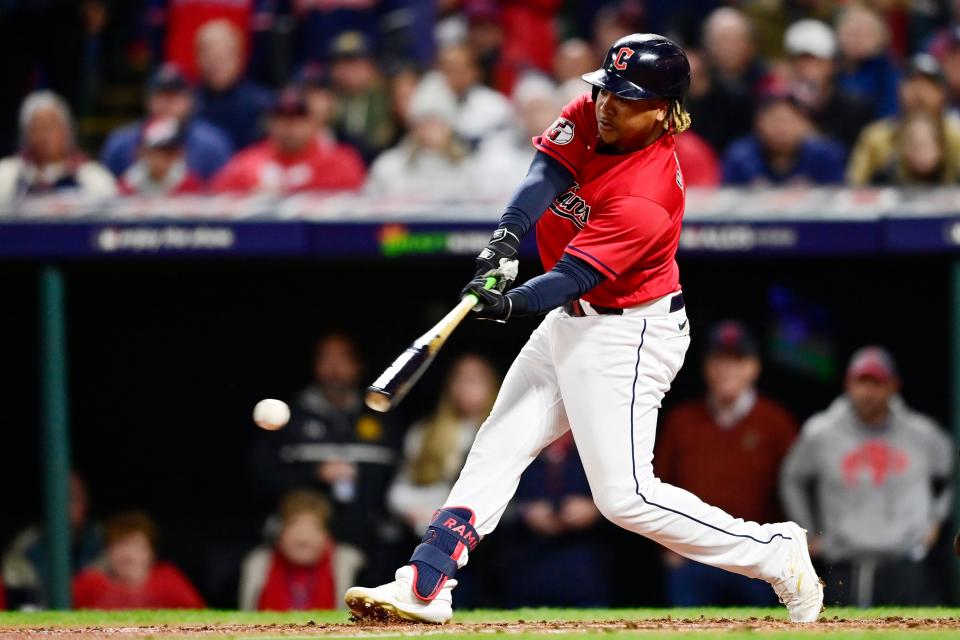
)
(643, 65)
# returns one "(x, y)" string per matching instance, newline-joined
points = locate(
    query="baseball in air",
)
(271, 414)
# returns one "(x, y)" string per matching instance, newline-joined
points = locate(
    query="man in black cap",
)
(922, 89)
(169, 96)
(725, 447)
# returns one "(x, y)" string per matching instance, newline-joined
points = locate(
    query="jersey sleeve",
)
(618, 231)
(570, 135)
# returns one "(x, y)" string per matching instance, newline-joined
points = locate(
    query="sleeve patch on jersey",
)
(561, 132)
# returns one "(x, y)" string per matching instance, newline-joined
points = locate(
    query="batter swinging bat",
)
(392, 386)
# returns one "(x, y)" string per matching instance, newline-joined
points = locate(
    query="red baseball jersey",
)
(325, 165)
(622, 215)
(184, 18)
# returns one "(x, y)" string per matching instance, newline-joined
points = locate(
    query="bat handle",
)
(490, 283)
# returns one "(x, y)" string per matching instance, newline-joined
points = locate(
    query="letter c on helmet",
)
(620, 62)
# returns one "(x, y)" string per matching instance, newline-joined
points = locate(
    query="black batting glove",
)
(492, 305)
(504, 245)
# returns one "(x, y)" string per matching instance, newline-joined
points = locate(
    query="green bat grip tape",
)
(489, 284)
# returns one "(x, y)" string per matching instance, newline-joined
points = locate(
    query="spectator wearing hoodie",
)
(880, 474)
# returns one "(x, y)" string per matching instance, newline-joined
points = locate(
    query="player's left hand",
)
(505, 274)
(502, 248)
(493, 305)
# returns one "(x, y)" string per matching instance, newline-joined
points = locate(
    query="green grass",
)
(157, 618)
(150, 618)
(146, 618)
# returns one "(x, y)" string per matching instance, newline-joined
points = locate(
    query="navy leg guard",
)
(435, 558)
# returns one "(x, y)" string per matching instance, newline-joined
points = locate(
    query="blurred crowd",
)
(413, 97)
(869, 477)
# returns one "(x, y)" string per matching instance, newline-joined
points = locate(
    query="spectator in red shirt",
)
(701, 167)
(293, 158)
(529, 40)
(727, 448)
(172, 27)
(132, 577)
(3, 598)
(305, 569)
(161, 167)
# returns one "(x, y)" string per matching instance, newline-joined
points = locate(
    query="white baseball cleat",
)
(799, 587)
(395, 601)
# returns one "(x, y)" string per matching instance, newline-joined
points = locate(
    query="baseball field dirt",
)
(849, 624)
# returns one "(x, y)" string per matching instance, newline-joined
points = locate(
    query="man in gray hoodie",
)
(870, 479)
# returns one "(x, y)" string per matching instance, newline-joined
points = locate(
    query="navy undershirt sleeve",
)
(545, 180)
(568, 280)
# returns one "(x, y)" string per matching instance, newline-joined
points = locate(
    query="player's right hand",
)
(503, 247)
(492, 303)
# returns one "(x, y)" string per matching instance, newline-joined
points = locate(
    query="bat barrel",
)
(378, 399)
(392, 386)
(394, 383)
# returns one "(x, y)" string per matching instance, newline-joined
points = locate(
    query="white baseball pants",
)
(604, 377)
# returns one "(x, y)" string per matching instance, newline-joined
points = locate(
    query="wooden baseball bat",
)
(395, 382)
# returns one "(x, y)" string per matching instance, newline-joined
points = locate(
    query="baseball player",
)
(606, 194)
